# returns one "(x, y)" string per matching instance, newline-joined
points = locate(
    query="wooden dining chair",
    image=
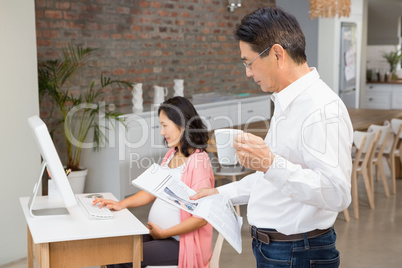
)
(391, 149)
(377, 154)
(364, 143)
(231, 172)
(346, 214)
(398, 150)
(394, 124)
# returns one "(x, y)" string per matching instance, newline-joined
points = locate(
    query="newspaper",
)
(216, 209)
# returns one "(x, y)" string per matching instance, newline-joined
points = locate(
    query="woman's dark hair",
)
(272, 25)
(182, 112)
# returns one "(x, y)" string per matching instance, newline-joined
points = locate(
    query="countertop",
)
(392, 82)
(203, 99)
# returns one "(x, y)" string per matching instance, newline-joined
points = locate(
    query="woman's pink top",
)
(195, 247)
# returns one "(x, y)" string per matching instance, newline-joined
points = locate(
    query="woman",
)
(175, 236)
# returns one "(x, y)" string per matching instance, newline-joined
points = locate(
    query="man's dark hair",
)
(272, 25)
(182, 112)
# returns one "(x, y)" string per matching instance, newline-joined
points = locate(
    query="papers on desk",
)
(216, 209)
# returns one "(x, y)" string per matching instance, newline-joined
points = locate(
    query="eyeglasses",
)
(247, 65)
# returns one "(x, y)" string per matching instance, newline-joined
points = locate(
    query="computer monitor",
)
(52, 162)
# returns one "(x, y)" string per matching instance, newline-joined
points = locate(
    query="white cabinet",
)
(397, 98)
(214, 115)
(377, 100)
(133, 149)
(140, 145)
(251, 110)
(157, 147)
(378, 96)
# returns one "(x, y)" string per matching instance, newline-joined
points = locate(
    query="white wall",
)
(300, 9)
(375, 59)
(383, 20)
(329, 46)
(19, 157)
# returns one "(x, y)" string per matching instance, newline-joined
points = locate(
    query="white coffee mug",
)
(137, 97)
(224, 139)
(178, 87)
(159, 94)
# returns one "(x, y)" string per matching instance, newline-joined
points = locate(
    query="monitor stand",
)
(43, 211)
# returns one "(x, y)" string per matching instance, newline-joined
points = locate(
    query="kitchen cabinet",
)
(378, 96)
(134, 145)
(397, 98)
(249, 111)
(132, 149)
(214, 115)
(383, 96)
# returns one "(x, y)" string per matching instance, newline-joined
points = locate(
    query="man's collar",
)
(285, 97)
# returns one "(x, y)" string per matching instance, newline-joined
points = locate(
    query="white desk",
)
(75, 241)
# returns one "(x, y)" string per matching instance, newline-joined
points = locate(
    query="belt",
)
(266, 236)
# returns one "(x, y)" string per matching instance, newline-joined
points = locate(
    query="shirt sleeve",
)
(239, 192)
(324, 178)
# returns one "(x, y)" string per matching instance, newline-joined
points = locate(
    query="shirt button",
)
(291, 195)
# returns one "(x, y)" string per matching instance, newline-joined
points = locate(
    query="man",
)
(304, 164)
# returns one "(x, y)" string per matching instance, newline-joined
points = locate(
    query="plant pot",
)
(77, 180)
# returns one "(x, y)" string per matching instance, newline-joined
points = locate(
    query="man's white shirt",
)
(309, 181)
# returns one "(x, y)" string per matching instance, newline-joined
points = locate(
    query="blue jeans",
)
(319, 251)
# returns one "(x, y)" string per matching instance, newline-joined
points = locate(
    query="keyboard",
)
(94, 212)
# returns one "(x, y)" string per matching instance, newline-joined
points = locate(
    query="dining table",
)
(363, 118)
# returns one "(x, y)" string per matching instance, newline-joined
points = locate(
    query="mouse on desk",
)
(94, 196)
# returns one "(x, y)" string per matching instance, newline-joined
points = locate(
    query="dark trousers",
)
(156, 252)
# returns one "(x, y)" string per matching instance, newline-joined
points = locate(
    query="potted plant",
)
(393, 58)
(80, 114)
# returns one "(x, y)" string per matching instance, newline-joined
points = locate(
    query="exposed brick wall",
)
(152, 42)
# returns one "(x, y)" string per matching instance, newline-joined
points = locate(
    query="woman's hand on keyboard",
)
(110, 204)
